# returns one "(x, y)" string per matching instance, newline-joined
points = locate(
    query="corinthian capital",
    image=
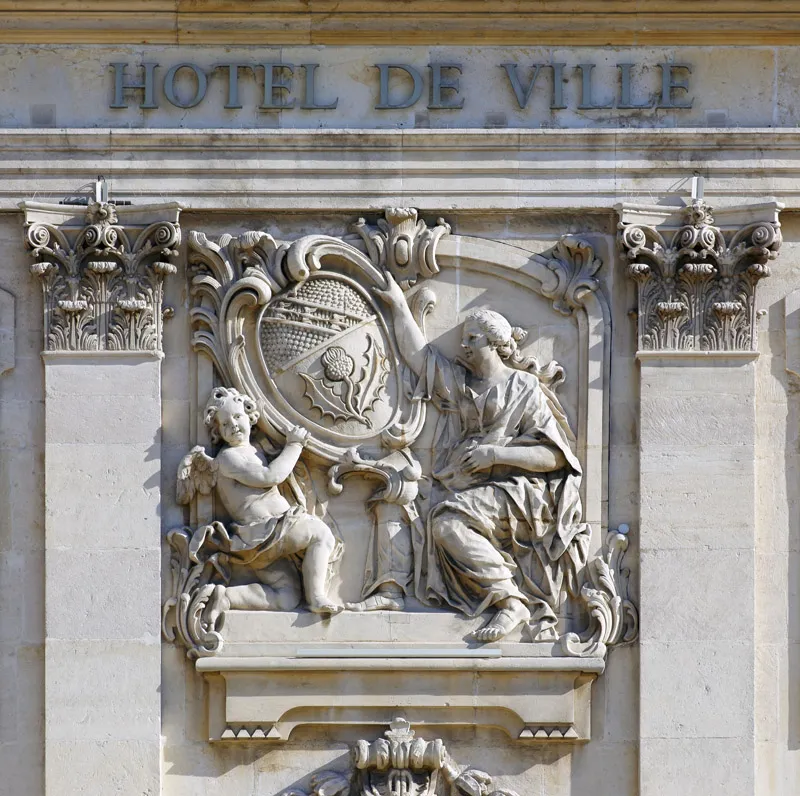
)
(697, 279)
(102, 273)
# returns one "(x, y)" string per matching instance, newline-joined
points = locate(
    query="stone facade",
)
(404, 416)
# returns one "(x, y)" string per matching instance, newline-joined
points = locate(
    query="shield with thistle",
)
(326, 353)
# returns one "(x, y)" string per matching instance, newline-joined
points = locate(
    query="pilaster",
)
(697, 320)
(102, 277)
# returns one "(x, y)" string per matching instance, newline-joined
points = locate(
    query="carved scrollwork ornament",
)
(103, 285)
(613, 618)
(574, 264)
(697, 291)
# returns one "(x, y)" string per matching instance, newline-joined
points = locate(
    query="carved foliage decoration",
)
(697, 290)
(573, 262)
(613, 618)
(103, 288)
(400, 764)
(402, 244)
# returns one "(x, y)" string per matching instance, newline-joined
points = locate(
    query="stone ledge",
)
(530, 699)
(460, 168)
(420, 22)
(279, 671)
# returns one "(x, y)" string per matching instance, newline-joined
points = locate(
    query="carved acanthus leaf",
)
(613, 618)
(574, 264)
(697, 291)
(402, 244)
(103, 283)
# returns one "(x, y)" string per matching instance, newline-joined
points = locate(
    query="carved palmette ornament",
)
(697, 291)
(103, 284)
(298, 327)
(400, 764)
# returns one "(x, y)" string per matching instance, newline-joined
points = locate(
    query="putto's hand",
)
(393, 294)
(480, 458)
(297, 435)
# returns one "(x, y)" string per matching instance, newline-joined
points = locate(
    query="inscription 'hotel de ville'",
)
(399, 401)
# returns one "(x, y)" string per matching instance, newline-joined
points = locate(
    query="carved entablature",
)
(102, 273)
(697, 282)
(318, 363)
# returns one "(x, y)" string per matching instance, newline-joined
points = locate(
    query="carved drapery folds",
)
(103, 282)
(400, 764)
(697, 284)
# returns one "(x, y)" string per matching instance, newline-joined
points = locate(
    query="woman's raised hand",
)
(392, 294)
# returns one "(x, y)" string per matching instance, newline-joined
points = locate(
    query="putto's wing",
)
(197, 472)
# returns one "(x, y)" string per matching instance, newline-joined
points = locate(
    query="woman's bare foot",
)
(378, 602)
(512, 614)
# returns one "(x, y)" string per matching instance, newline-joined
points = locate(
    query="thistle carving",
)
(697, 292)
(103, 283)
(400, 764)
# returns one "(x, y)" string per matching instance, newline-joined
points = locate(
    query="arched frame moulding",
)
(236, 284)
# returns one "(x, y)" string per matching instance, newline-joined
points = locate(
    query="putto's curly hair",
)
(506, 339)
(219, 398)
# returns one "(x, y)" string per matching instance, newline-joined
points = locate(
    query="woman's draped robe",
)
(532, 520)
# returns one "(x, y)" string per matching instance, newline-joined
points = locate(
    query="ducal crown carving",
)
(103, 283)
(697, 290)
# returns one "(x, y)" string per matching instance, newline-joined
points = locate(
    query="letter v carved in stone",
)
(522, 93)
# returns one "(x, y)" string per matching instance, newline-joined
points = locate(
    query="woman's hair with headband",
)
(506, 339)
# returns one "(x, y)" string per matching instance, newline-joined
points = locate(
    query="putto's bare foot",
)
(503, 622)
(378, 602)
(325, 607)
(213, 616)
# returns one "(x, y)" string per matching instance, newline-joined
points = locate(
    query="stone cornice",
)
(355, 171)
(419, 22)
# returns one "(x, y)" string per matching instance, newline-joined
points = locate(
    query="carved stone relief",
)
(697, 284)
(400, 764)
(103, 282)
(321, 349)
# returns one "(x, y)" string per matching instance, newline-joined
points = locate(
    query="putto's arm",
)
(249, 470)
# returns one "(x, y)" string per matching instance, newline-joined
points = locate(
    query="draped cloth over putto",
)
(537, 542)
